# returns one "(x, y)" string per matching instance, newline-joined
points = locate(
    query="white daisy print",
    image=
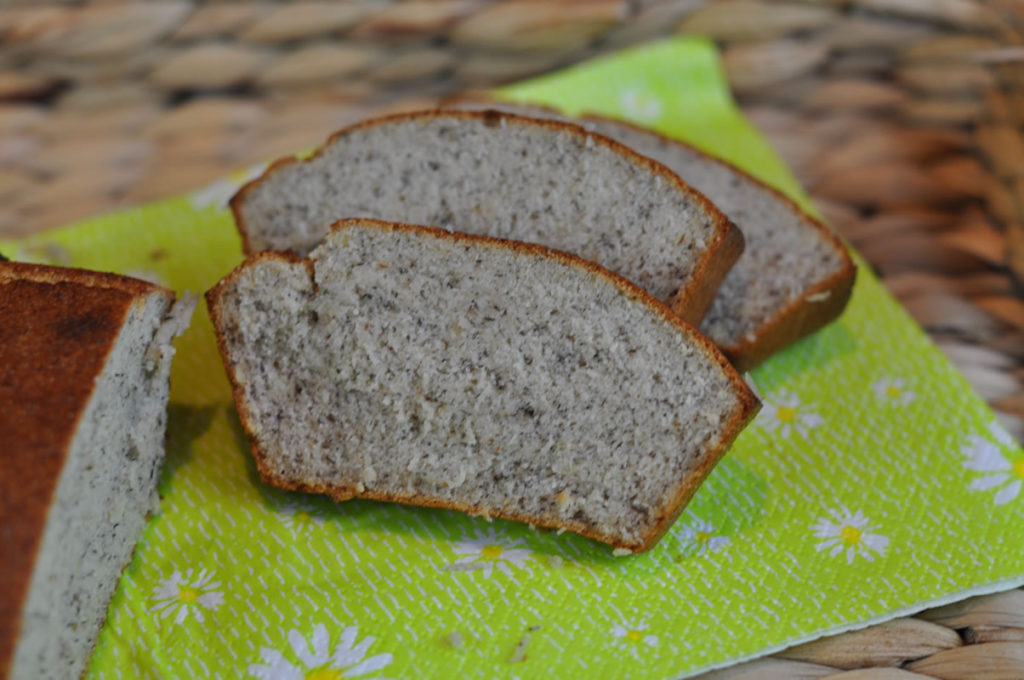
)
(850, 533)
(787, 415)
(187, 593)
(990, 456)
(317, 662)
(300, 517)
(219, 193)
(698, 537)
(633, 636)
(893, 391)
(489, 551)
(641, 106)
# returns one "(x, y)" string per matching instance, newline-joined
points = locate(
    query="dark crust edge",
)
(747, 409)
(691, 301)
(42, 273)
(801, 316)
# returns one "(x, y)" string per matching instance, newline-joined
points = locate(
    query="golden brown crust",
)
(747, 409)
(750, 405)
(813, 310)
(691, 301)
(57, 328)
(41, 273)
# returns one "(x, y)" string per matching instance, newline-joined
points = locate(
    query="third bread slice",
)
(506, 176)
(414, 365)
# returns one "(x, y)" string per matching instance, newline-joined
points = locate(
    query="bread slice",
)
(84, 385)
(794, 276)
(414, 365)
(506, 176)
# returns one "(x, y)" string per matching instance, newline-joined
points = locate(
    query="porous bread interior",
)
(490, 379)
(106, 489)
(518, 180)
(785, 255)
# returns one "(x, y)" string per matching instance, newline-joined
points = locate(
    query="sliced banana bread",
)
(794, 276)
(505, 379)
(506, 176)
(84, 365)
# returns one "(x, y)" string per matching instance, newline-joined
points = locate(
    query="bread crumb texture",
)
(468, 374)
(532, 181)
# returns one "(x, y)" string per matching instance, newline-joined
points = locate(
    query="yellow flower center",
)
(491, 552)
(302, 516)
(893, 391)
(188, 595)
(634, 635)
(787, 414)
(1018, 468)
(703, 537)
(850, 535)
(325, 674)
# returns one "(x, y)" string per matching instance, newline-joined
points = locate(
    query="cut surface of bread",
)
(794, 276)
(504, 379)
(505, 176)
(84, 366)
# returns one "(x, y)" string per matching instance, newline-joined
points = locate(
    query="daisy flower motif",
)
(786, 414)
(641, 106)
(849, 533)
(698, 537)
(632, 637)
(317, 662)
(991, 457)
(893, 391)
(300, 517)
(219, 193)
(187, 593)
(489, 551)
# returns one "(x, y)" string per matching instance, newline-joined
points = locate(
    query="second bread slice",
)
(507, 176)
(409, 364)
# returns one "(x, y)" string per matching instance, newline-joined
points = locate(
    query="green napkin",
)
(873, 484)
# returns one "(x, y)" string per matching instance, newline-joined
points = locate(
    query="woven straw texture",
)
(903, 119)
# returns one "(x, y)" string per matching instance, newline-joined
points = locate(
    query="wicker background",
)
(902, 117)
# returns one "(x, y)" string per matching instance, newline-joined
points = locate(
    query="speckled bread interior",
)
(507, 176)
(499, 378)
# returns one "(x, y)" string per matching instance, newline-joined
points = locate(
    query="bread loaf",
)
(84, 365)
(504, 379)
(506, 176)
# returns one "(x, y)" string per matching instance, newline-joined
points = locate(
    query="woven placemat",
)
(902, 118)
